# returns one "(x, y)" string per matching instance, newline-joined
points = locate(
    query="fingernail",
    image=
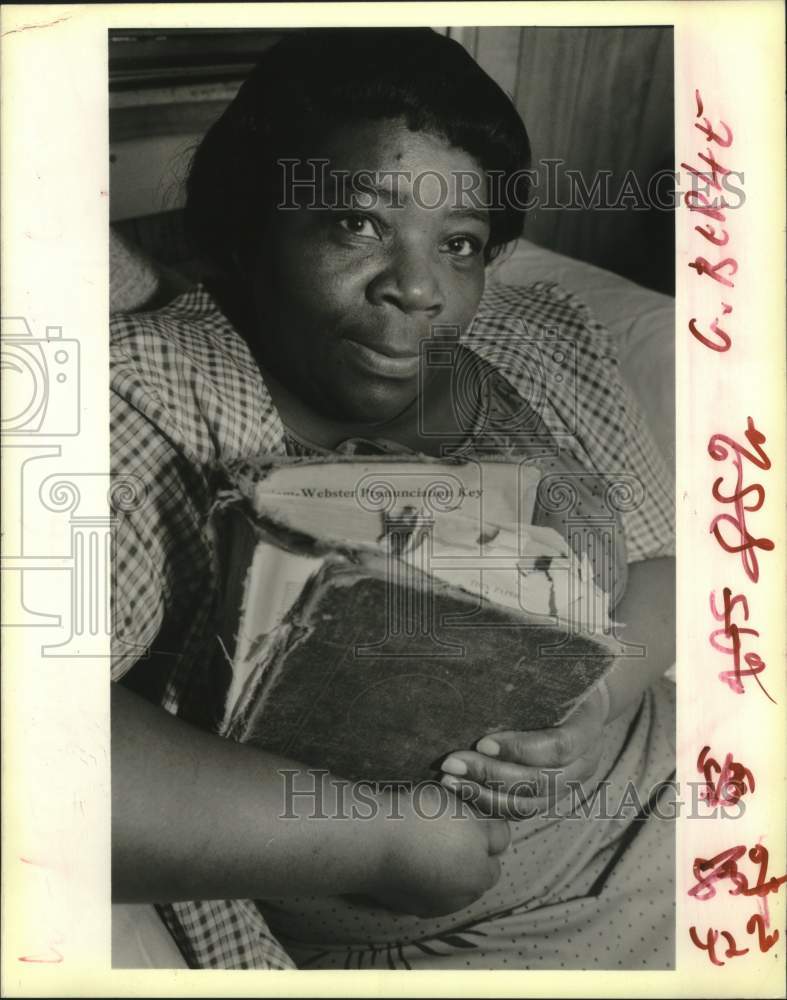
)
(488, 746)
(453, 765)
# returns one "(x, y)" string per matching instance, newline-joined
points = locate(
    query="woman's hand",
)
(440, 855)
(489, 779)
(518, 775)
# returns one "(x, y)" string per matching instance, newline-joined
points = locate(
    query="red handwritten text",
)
(709, 944)
(712, 176)
(727, 783)
(719, 448)
(709, 871)
(754, 662)
(756, 924)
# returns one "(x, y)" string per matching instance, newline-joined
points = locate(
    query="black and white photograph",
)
(392, 362)
(393, 542)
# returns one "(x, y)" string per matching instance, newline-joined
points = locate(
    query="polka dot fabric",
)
(575, 892)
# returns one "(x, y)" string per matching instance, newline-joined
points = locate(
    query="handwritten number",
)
(709, 944)
(721, 447)
(765, 941)
(733, 782)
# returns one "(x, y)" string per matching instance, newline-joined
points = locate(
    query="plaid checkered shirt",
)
(188, 399)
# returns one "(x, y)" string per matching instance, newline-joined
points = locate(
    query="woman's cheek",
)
(464, 296)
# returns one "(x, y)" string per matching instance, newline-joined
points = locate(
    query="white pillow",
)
(140, 940)
(133, 279)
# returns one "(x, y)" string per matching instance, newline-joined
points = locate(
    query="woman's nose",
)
(410, 282)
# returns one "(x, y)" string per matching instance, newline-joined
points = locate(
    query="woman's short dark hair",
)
(314, 80)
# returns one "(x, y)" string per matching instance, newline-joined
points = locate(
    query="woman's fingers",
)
(580, 733)
(495, 803)
(512, 804)
(472, 766)
(539, 748)
(514, 779)
(509, 771)
(519, 756)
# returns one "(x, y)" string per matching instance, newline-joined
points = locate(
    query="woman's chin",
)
(377, 407)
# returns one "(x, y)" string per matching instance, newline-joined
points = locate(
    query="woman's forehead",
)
(386, 159)
(370, 144)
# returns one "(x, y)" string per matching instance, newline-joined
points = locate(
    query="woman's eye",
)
(463, 246)
(358, 225)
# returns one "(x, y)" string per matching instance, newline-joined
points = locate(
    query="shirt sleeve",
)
(647, 500)
(585, 404)
(160, 554)
(650, 523)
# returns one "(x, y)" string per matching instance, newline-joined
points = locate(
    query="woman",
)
(347, 204)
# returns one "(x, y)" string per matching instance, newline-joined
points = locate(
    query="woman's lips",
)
(378, 363)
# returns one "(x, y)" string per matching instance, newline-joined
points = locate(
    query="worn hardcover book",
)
(382, 613)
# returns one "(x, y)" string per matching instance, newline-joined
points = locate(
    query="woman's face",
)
(344, 295)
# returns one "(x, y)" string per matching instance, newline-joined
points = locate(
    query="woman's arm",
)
(647, 610)
(198, 817)
(489, 774)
